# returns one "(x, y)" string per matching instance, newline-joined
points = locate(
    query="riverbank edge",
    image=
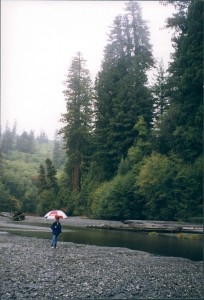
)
(126, 225)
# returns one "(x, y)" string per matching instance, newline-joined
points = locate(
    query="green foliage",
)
(46, 201)
(64, 195)
(18, 176)
(51, 180)
(156, 183)
(115, 199)
(17, 179)
(189, 188)
(48, 188)
(189, 236)
(172, 188)
(43, 151)
(26, 142)
(123, 167)
(8, 202)
(142, 146)
(29, 200)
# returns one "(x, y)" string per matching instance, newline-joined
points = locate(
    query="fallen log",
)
(18, 216)
(160, 228)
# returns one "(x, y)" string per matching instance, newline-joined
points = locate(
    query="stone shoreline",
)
(132, 225)
(30, 269)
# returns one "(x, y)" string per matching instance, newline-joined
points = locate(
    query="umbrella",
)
(55, 213)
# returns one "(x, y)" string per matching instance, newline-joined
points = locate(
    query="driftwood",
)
(152, 226)
(170, 227)
(16, 216)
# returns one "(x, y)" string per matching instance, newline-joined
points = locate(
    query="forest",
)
(129, 148)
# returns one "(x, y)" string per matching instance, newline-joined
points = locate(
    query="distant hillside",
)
(18, 175)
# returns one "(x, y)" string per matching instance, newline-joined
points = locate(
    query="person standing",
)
(56, 230)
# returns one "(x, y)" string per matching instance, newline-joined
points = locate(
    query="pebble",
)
(30, 269)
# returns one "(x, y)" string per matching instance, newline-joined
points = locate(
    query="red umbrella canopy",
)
(53, 214)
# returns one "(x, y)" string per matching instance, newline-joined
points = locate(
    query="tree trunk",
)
(76, 176)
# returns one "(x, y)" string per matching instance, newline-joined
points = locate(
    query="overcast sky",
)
(38, 42)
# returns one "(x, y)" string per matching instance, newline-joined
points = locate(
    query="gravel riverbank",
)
(136, 225)
(30, 269)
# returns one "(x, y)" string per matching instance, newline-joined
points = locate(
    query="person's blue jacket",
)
(56, 228)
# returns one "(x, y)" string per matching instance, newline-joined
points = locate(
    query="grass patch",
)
(153, 233)
(189, 236)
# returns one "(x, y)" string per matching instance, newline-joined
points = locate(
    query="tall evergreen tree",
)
(181, 130)
(78, 118)
(121, 88)
(51, 180)
(59, 155)
(41, 179)
(7, 140)
(26, 142)
(42, 138)
(160, 92)
(48, 188)
(46, 179)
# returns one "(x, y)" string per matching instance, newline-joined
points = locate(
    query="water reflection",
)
(165, 245)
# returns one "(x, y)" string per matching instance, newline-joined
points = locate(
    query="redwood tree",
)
(78, 119)
(122, 95)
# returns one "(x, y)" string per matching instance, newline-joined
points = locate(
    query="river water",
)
(165, 245)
